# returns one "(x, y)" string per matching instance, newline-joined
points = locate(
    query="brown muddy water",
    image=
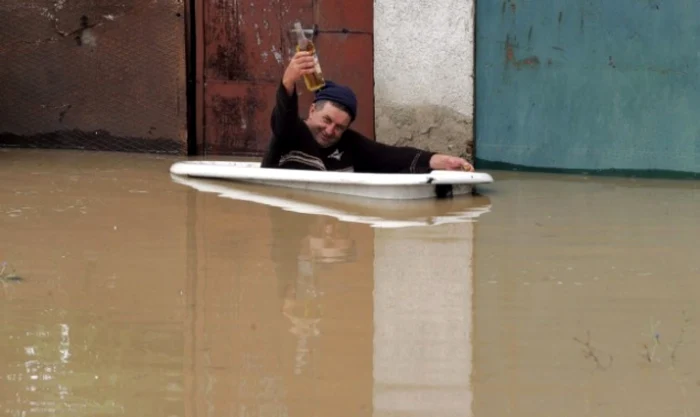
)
(124, 292)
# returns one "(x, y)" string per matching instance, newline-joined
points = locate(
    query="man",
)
(324, 141)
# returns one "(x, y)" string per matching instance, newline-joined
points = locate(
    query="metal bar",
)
(199, 18)
(345, 32)
(191, 69)
(315, 31)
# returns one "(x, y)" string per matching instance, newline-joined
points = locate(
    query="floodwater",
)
(126, 293)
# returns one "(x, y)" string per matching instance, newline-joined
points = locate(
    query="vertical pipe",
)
(475, 86)
(191, 49)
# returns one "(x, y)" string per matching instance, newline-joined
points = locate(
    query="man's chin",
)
(325, 143)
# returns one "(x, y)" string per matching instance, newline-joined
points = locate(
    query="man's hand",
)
(302, 63)
(449, 163)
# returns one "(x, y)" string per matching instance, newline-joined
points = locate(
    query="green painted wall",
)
(589, 85)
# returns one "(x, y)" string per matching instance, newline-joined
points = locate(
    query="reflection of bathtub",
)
(375, 212)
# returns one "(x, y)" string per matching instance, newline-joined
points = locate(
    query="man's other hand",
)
(449, 163)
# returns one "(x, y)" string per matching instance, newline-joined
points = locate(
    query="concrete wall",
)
(589, 85)
(423, 69)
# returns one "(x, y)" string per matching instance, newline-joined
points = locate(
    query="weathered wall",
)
(589, 85)
(97, 75)
(423, 71)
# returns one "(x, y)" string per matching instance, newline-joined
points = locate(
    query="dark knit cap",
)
(339, 94)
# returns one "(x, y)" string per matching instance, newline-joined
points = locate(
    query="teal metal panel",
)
(588, 85)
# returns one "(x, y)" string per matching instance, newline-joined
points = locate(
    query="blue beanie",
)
(338, 94)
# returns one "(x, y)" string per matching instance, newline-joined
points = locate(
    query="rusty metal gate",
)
(242, 50)
(107, 75)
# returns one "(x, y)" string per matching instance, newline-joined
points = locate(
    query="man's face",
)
(327, 123)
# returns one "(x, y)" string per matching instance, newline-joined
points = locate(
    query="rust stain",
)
(531, 62)
(510, 54)
(505, 5)
(230, 61)
(236, 118)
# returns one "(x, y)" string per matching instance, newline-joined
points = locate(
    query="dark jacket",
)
(293, 146)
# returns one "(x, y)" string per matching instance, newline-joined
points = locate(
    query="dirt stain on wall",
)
(435, 128)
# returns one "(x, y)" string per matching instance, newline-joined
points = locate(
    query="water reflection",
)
(57, 363)
(300, 262)
(41, 378)
(364, 317)
(281, 325)
(423, 322)
(374, 212)
(94, 326)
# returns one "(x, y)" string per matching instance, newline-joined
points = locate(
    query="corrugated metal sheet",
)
(106, 75)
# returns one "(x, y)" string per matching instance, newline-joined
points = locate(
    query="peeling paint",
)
(45, 12)
(257, 35)
(88, 38)
(277, 54)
